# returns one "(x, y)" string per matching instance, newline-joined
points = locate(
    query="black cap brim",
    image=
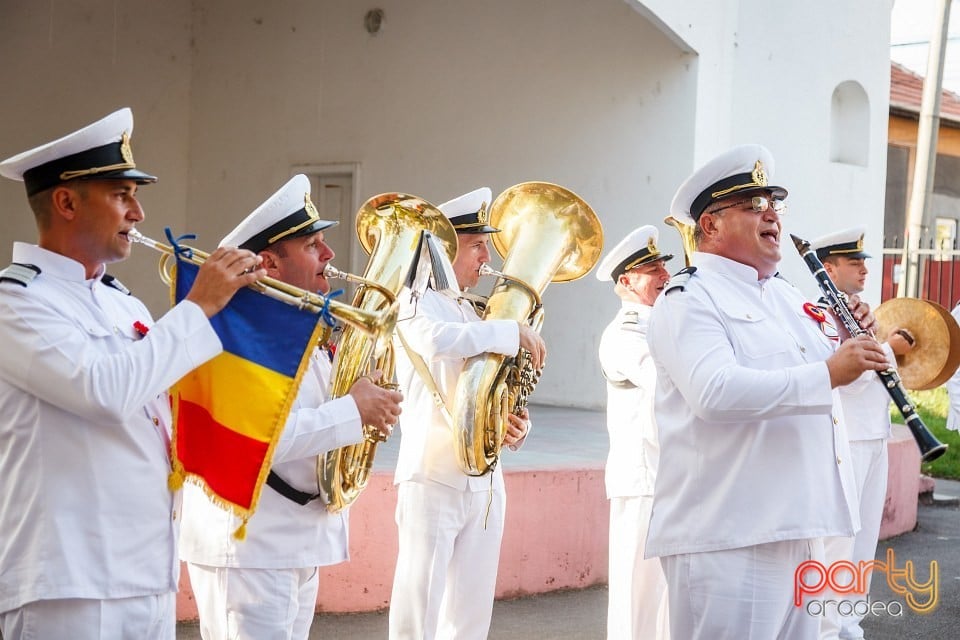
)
(484, 228)
(123, 174)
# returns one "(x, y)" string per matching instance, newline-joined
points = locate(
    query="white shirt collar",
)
(51, 263)
(728, 267)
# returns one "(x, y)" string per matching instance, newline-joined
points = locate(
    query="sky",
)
(911, 27)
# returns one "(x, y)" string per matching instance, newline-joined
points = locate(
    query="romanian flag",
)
(229, 412)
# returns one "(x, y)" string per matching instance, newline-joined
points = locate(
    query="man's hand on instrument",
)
(221, 275)
(853, 357)
(901, 341)
(517, 427)
(861, 311)
(532, 342)
(378, 407)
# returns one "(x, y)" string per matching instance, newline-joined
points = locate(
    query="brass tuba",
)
(388, 227)
(548, 234)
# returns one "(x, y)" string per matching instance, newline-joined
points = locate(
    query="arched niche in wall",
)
(850, 124)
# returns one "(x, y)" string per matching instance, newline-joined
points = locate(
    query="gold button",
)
(156, 422)
(838, 459)
(174, 514)
(835, 421)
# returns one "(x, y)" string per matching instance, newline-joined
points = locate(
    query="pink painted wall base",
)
(544, 548)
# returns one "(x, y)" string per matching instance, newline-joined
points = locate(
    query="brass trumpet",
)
(372, 324)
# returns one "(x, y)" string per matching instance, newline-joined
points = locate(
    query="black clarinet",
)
(930, 447)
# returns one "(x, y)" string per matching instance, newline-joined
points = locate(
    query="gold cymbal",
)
(936, 354)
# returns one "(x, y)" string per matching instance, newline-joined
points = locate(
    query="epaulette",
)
(679, 280)
(631, 317)
(111, 281)
(22, 274)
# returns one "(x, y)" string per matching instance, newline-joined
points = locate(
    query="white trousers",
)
(145, 617)
(446, 574)
(740, 594)
(254, 604)
(637, 604)
(869, 459)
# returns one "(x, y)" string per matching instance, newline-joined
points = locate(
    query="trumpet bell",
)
(936, 353)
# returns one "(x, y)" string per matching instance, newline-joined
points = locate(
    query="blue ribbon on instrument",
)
(325, 311)
(180, 251)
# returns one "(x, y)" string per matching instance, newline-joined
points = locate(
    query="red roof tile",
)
(906, 93)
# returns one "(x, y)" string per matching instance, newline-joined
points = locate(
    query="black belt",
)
(281, 486)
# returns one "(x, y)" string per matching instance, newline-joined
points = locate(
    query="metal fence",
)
(935, 270)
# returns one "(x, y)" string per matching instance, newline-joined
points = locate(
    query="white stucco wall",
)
(66, 64)
(447, 97)
(775, 67)
(614, 99)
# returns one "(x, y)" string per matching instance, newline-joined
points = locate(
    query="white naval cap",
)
(288, 213)
(469, 213)
(743, 169)
(638, 248)
(99, 151)
(847, 243)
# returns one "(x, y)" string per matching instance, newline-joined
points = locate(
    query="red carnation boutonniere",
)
(821, 319)
(141, 328)
(814, 311)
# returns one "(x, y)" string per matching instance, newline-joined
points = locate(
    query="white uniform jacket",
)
(85, 511)
(953, 389)
(631, 380)
(753, 445)
(445, 333)
(282, 534)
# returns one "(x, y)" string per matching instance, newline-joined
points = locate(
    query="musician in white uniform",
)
(953, 388)
(265, 586)
(88, 542)
(866, 407)
(637, 605)
(450, 524)
(754, 468)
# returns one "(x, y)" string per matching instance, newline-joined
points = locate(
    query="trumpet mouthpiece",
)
(331, 271)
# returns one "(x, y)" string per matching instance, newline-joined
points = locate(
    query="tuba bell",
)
(389, 228)
(547, 234)
(687, 238)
